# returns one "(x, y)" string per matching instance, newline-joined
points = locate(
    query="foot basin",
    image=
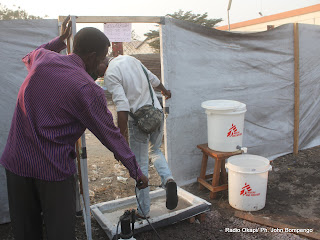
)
(107, 214)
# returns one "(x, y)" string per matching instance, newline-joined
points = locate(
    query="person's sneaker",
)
(171, 194)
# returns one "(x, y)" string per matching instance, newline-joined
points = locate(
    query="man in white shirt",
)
(127, 81)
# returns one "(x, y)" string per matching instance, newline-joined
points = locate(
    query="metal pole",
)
(296, 89)
(228, 9)
(85, 196)
(228, 21)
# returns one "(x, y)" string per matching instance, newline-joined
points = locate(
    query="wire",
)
(141, 207)
(145, 215)
(117, 237)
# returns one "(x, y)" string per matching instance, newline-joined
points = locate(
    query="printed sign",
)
(118, 32)
(233, 131)
(247, 191)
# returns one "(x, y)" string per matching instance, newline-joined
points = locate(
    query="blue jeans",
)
(144, 145)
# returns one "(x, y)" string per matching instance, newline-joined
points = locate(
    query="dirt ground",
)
(293, 198)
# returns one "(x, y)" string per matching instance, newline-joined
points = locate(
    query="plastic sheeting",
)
(17, 38)
(200, 64)
(257, 69)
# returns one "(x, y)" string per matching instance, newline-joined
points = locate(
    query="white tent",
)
(201, 64)
(257, 69)
(17, 38)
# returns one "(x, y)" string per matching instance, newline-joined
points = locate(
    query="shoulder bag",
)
(148, 118)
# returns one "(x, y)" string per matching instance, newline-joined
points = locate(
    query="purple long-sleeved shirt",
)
(57, 101)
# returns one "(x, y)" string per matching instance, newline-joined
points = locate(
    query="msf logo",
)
(247, 191)
(233, 131)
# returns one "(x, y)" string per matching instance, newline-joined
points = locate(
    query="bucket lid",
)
(248, 163)
(221, 105)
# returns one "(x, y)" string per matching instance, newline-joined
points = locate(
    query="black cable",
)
(141, 207)
(117, 236)
(145, 216)
(117, 229)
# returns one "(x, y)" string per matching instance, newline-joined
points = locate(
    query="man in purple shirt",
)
(56, 103)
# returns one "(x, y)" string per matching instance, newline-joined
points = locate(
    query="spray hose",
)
(125, 219)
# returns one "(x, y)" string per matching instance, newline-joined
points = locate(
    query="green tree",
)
(201, 19)
(9, 14)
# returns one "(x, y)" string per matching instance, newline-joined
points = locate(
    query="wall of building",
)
(307, 15)
(311, 18)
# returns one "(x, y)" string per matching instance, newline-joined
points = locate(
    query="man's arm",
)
(123, 124)
(98, 119)
(66, 29)
(164, 91)
(157, 85)
(56, 45)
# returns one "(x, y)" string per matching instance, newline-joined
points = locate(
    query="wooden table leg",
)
(224, 175)
(219, 176)
(216, 176)
(203, 169)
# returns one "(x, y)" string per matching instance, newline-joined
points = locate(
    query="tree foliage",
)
(201, 19)
(9, 14)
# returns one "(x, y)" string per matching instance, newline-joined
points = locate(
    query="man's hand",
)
(142, 182)
(66, 29)
(164, 91)
(167, 94)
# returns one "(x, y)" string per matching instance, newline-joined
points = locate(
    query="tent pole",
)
(296, 89)
(85, 187)
(83, 195)
(83, 162)
(79, 191)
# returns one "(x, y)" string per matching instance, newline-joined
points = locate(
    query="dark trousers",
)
(28, 197)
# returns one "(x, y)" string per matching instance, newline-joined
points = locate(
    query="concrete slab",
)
(108, 213)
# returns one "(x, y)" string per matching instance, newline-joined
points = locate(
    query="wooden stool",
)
(219, 165)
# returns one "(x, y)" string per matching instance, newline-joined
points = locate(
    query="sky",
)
(241, 10)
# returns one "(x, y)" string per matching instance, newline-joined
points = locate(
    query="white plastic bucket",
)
(247, 181)
(225, 120)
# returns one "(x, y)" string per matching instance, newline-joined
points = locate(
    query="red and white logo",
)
(247, 191)
(233, 131)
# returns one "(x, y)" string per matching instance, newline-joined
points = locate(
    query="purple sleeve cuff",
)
(55, 45)
(134, 172)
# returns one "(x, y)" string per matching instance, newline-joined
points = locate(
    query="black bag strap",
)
(145, 72)
(131, 114)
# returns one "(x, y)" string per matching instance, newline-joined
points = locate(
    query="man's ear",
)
(88, 57)
(92, 56)
(89, 60)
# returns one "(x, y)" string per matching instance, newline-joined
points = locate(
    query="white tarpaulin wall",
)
(200, 64)
(17, 38)
(257, 69)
